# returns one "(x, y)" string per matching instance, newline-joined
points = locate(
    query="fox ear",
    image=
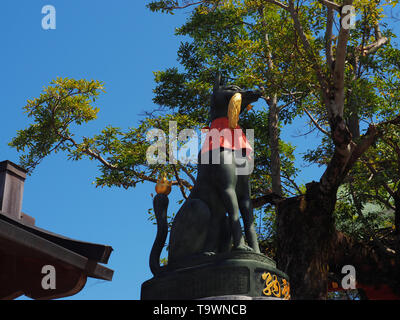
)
(218, 81)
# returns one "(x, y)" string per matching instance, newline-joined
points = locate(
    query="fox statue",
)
(208, 222)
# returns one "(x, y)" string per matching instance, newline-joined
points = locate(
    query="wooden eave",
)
(25, 249)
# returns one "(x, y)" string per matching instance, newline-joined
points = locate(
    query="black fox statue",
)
(208, 222)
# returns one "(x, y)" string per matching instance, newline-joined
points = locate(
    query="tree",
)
(291, 51)
(335, 73)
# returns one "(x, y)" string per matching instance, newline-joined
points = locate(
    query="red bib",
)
(225, 137)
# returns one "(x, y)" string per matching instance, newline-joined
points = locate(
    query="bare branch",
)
(185, 5)
(278, 3)
(338, 73)
(380, 199)
(308, 48)
(330, 5)
(373, 47)
(181, 187)
(270, 197)
(90, 153)
(292, 182)
(329, 37)
(185, 170)
(374, 172)
(356, 151)
(316, 122)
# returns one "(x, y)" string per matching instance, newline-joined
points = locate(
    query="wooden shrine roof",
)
(25, 249)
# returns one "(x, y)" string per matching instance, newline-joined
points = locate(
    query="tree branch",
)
(373, 47)
(97, 156)
(344, 158)
(185, 170)
(185, 5)
(380, 199)
(329, 37)
(181, 187)
(336, 109)
(270, 197)
(374, 172)
(90, 153)
(293, 183)
(330, 5)
(308, 48)
(316, 122)
(278, 3)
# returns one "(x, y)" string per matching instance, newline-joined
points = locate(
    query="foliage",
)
(66, 104)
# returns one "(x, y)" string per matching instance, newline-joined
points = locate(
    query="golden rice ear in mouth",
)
(234, 110)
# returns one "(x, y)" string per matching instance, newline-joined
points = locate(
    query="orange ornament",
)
(163, 186)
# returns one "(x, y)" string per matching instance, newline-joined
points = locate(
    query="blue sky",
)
(120, 43)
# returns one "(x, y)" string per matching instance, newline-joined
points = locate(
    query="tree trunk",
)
(305, 224)
(273, 128)
(305, 228)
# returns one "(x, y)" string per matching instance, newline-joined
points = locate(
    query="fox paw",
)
(243, 247)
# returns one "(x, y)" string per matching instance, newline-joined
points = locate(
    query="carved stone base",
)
(243, 274)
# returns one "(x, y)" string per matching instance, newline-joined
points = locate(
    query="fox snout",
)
(249, 97)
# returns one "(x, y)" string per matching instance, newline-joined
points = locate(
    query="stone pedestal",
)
(238, 275)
